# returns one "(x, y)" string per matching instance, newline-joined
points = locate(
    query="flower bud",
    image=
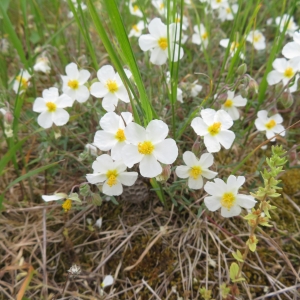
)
(84, 190)
(286, 99)
(8, 117)
(165, 174)
(242, 69)
(278, 87)
(253, 86)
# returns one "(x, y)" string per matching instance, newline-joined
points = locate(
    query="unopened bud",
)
(253, 86)
(165, 174)
(84, 190)
(96, 199)
(278, 87)
(8, 117)
(196, 148)
(242, 69)
(287, 99)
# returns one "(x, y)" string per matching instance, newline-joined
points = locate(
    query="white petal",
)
(208, 174)
(147, 42)
(239, 101)
(182, 171)
(106, 73)
(190, 159)
(131, 155)
(224, 118)
(225, 138)
(235, 182)
(102, 164)
(128, 178)
(208, 116)
(82, 94)
(50, 93)
(291, 50)
(95, 178)
(122, 94)
(110, 102)
(158, 56)
(245, 201)
(72, 71)
(211, 143)
(104, 140)
(274, 77)
(280, 64)
(263, 114)
(199, 126)
(224, 43)
(216, 188)
(212, 203)
(98, 90)
(60, 117)
(135, 133)
(277, 118)
(54, 197)
(114, 190)
(234, 211)
(84, 75)
(166, 151)
(39, 105)
(157, 28)
(45, 119)
(110, 122)
(195, 184)
(157, 131)
(116, 150)
(149, 166)
(64, 101)
(108, 280)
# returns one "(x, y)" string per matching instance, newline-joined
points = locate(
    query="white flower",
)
(21, 82)
(271, 125)
(157, 41)
(216, 4)
(257, 39)
(51, 108)
(179, 95)
(185, 21)
(284, 70)
(42, 65)
(112, 173)
(232, 103)
(136, 29)
(195, 88)
(110, 87)
(291, 27)
(83, 7)
(112, 137)
(108, 280)
(73, 83)
(55, 197)
(135, 10)
(227, 12)
(99, 222)
(200, 37)
(160, 6)
(226, 197)
(292, 49)
(233, 47)
(148, 146)
(196, 169)
(214, 127)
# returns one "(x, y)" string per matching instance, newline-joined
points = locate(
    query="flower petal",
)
(72, 71)
(212, 203)
(195, 184)
(128, 178)
(206, 160)
(114, 190)
(245, 201)
(182, 171)
(147, 42)
(104, 140)
(166, 151)
(45, 119)
(190, 159)
(157, 131)
(199, 126)
(39, 105)
(211, 143)
(234, 211)
(84, 75)
(82, 94)
(106, 73)
(60, 117)
(149, 166)
(158, 56)
(98, 90)
(95, 178)
(225, 138)
(131, 155)
(135, 133)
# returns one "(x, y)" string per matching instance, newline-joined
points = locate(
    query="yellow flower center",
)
(23, 81)
(163, 43)
(289, 72)
(228, 10)
(120, 135)
(51, 106)
(256, 38)
(204, 36)
(146, 147)
(134, 27)
(67, 205)
(161, 6)
(135, 8)
(177, 20)
(228, 103)
(195, 172)
(290, 25)
(219, 1)
(112, 177)
(228, 200)
(73, 84)
(270, 124)
(233, 46)
(112, 86)
(214, 128)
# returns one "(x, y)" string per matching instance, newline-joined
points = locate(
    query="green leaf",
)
(238, 256)
(234, 270)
